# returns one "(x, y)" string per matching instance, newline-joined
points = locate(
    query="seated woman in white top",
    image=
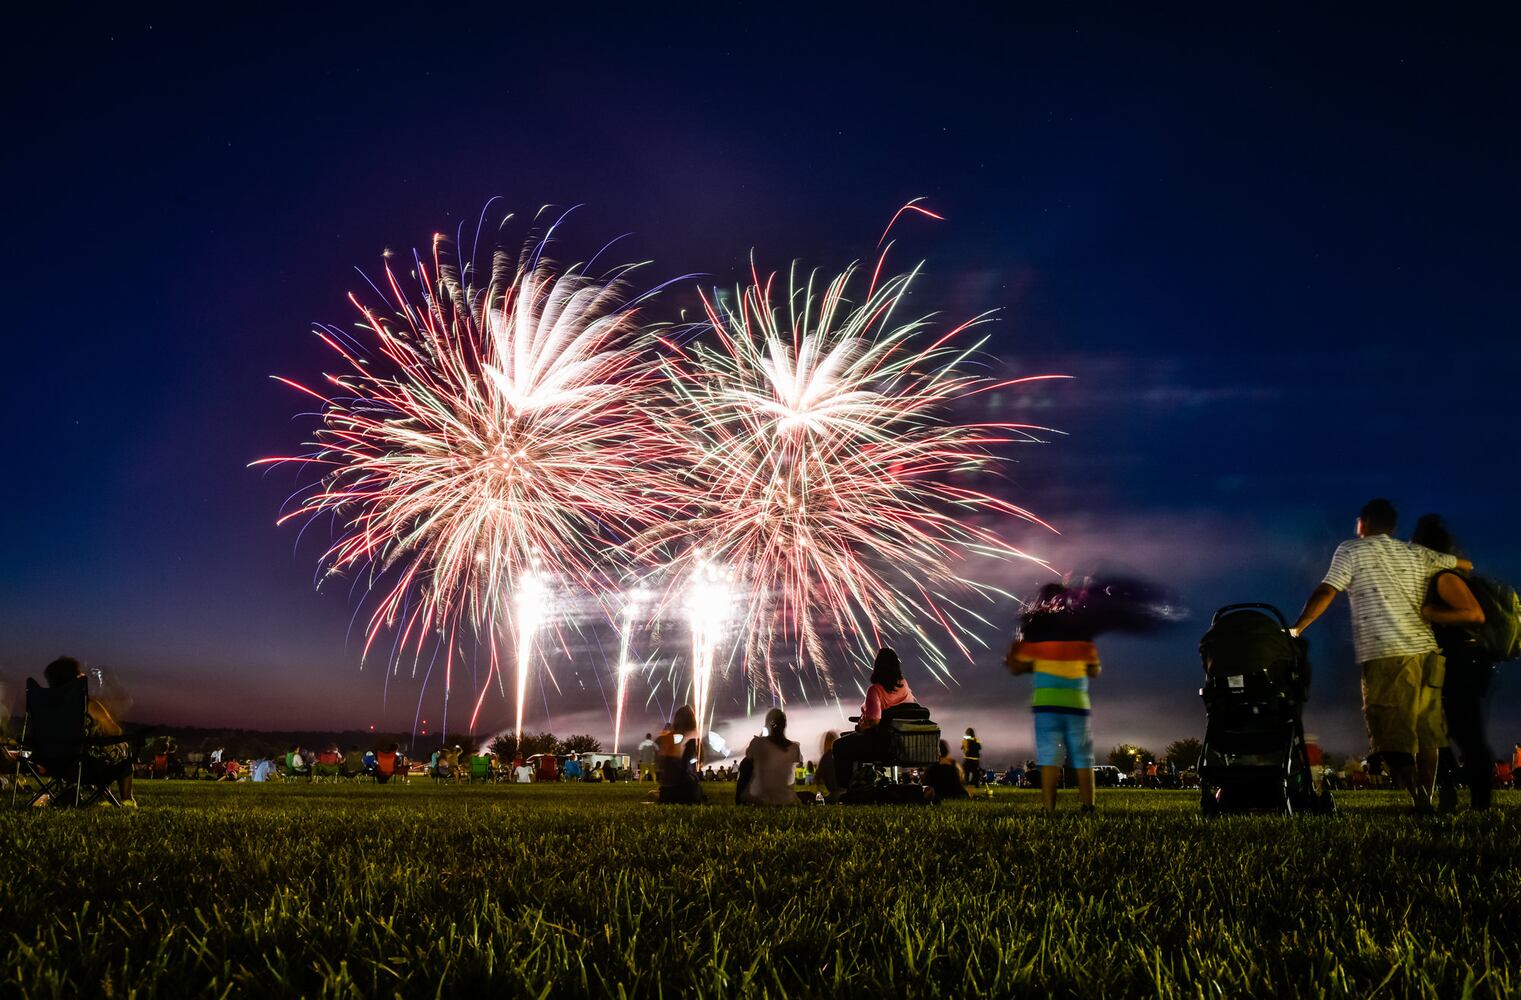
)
(773, 759)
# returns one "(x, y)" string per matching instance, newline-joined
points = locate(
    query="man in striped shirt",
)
(1386, 580)
(1060, 661)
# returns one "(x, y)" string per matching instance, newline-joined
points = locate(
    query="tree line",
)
(508, 745)
(1181, 754)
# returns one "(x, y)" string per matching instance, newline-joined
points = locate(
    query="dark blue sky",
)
(1278, 251)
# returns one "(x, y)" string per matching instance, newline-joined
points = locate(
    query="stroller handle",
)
(1250, 606)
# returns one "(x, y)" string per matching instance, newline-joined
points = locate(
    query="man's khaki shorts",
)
(1402, 703)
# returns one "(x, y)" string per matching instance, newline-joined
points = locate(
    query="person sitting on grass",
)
(677, 746)
(888, 689)
(773, 760)
(263, 769)
(942, 779)
(103, 760)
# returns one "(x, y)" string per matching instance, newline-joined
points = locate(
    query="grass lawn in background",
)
(560, 890)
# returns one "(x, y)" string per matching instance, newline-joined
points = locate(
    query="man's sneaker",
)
(129, 803)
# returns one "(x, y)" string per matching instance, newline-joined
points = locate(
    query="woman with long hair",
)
(1452, 610)
(888, 690)
(825, 775)
(773, 759)
(676, 747)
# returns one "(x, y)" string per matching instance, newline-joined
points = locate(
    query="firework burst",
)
(829, 470)
(483, 441)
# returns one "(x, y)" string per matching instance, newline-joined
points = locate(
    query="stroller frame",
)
(1255, 757)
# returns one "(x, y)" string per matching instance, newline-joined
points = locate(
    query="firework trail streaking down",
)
(709, 600)
(633, 603)
(823, 436)
(532, 600)
(483, 438)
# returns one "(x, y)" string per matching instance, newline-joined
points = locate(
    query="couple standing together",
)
(1423, 673)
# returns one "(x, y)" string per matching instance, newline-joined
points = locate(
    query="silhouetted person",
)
(942, 779)
(105, 760)
(971, 757)
(676, 763)
(825, 777)
(1452, 610)
(646, 756)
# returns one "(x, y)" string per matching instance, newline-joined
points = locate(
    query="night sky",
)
(1278, 253)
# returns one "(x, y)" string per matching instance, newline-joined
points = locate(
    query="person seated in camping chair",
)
(353, 764)
(388, 764)
(296, 765)
(870, 742)
(105, 760)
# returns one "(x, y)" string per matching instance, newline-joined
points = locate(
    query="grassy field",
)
(558, 890)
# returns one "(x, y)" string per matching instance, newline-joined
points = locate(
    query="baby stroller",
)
(1256, 682)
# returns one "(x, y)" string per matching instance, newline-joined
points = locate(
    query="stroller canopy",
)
(1247, 640)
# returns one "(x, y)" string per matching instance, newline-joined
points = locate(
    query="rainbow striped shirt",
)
(1061, 674)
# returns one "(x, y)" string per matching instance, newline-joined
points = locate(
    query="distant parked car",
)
(1109, 776)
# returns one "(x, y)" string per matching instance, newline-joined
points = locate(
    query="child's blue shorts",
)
(1059, 736)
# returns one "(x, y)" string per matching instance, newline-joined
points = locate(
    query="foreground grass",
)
(557, 890)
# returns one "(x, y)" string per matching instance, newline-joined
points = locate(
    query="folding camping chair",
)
(480, 768)
(54, 749)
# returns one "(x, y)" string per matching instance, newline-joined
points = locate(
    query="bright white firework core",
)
(709, 603)
(633, 602)
(531, 602)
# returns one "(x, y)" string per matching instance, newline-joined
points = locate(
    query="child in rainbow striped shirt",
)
(1060, 662)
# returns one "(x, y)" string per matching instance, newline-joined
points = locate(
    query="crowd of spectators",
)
(382, 764)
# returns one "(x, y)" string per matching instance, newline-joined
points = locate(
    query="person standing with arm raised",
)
(1385, 581)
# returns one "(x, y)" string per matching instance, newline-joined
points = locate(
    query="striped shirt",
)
(1060, 674)
(1385, 579)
